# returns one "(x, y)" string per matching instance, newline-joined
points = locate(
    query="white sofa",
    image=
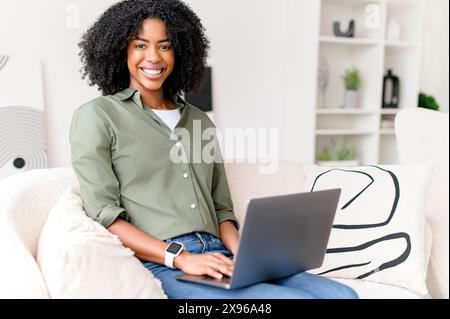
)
(26, 199)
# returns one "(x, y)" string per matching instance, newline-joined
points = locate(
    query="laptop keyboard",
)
(225, 279)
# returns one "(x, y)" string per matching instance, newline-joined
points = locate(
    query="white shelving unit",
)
(373, 54)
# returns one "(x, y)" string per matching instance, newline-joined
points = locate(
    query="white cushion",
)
(81, 259)
(373, 290)
(428, 245)
(25, 200)
(423, 135)
(379, 228)
(20, 276)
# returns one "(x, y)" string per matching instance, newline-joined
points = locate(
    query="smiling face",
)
(150, 57)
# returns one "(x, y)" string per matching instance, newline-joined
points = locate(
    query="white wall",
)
(435, 55)
(263, 54)
(38, 28)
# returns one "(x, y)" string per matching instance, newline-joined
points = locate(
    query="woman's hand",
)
(234, 248)
(214, 265)
(229, 236)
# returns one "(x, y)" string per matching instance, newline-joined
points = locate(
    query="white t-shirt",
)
(170, 117)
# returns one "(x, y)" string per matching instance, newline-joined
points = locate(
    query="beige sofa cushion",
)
(246, 181)
(79, 258)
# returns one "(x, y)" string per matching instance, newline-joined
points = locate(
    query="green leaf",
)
(352, 79)
(428, 102)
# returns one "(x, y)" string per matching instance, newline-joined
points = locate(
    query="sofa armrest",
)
(25, 200)
(423, 135)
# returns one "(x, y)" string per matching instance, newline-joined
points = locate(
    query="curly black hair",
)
(104, 46)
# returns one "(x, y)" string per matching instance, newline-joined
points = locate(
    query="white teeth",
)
(152, 72)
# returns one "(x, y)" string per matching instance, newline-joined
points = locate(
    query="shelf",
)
(404, 2)
(350, 41)
(352, 2)
(334, 111)
(368, 128)
(389, 111)
(387, 131)
(401, 44)
(343, 132)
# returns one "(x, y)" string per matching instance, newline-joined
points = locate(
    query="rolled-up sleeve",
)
(91, 137)
(221, 193)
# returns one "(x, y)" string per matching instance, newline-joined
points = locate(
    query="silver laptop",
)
(282, 236)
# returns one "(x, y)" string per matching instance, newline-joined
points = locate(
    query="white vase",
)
(393, 31)
(351, 99)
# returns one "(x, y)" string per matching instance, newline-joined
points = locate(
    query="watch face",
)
(174, 248)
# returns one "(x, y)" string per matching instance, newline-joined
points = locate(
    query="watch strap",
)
(168, 260)
(169, 257)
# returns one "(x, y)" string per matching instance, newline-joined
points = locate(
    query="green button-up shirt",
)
(121, 155)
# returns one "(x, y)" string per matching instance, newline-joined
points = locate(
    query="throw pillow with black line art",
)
(378, 231)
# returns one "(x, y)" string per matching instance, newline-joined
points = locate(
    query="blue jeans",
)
(298, 286)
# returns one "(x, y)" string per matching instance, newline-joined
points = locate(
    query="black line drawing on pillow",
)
(394, 204)
(395, 236)
(385, 265)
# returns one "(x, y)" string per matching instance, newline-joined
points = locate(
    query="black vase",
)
(349, 33)
(391, 91)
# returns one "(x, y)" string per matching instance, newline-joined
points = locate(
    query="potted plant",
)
(325, 156)
(352, 82)
(428, 102)
(346, 156)
(341, 157)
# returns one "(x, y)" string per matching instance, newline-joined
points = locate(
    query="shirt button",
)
(185, 175)
(193, 206)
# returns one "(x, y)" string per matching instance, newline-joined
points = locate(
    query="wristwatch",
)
(172, 251)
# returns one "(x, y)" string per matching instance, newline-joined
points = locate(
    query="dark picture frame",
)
(202, 97)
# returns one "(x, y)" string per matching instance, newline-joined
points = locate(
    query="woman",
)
(177, 216)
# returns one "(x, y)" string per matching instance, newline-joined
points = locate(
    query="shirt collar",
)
(130, 93)
(125, 94)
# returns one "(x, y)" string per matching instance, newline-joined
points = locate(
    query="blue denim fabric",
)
(298, 286)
